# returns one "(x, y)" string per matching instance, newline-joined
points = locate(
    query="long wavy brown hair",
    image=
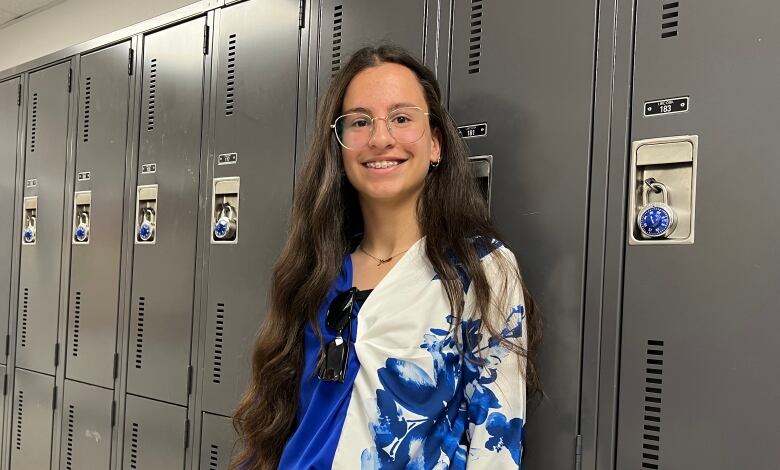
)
(326, 216)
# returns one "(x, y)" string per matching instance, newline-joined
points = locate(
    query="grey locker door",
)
(217, 442)
(9, 125)
(31, 425)
(164, 271)
(45, 160)
(256, 90)
(532, 88)
(699, 381)
(86, 426)
(348, 25)
(154, 435)
(104, 87)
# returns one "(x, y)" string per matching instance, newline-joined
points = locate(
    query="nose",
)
(380, 134)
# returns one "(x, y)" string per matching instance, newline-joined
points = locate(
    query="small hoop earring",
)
(435, 165)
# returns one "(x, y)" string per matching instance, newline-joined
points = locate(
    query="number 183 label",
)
(668, 106)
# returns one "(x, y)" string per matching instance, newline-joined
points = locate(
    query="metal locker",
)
(167, 212)
(10, 95)
(252, 162)
(3, 372)
(217, 442)
(96, 230)
(44, 198)
(348, 25)
(31, 424)
(155, 434)
(698, 366)
(87, 424)
(522, 92)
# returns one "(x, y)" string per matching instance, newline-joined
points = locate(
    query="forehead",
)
(380, 88)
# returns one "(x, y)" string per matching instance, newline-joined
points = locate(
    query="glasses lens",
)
(407, 125)
(353, 130)
(333, 363)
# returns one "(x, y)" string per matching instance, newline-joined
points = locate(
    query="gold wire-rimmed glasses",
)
(406, 125)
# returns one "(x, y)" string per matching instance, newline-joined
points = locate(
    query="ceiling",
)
(12, 10)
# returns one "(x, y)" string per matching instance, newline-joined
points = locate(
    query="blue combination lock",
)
(656, 219)
(28, 234)
(146, 228)
(81, 234)
(225, 226)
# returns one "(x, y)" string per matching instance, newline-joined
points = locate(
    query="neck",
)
(389, 227)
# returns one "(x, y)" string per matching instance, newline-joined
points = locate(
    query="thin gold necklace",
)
(381, 261)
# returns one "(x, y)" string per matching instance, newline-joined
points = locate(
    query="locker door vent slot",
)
(34, 122)
(475, 38)
(335, 62)
(69, 445)
(231, 76)
(76, 323)
(152, 90)
(218, 342)
(134, 447)
(651, 435)
(669, 22)
(214, 457)
(139, 341)
(19, 408)
(25, 315)
(87, 103)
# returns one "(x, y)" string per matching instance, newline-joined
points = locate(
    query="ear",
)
(435, 145)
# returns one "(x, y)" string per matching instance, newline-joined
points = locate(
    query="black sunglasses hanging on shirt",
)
(335, 356)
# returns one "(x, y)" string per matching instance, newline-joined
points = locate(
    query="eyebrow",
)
(392, 108)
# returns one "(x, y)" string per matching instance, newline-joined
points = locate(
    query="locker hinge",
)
(130, 61)
(5, 384)
(7, 345)
(116, 365)
(187, 434)
(19, 103)
(54, 399)
(302, 14)
(206, 40)
(70, 80)
(578, 453)
(113, 413)
(56, 354)
(189, 380)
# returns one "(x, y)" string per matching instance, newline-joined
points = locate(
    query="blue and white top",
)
(410, 399)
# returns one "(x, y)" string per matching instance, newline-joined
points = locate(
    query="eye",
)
(359, 122)
(401, 119)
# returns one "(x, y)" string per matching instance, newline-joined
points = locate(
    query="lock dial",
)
(654, 221)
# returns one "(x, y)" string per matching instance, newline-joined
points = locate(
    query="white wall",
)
(73, 22)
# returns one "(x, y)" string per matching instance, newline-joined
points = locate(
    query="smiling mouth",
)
(378, 165)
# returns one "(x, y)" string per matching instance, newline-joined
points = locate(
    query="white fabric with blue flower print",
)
(416, 402)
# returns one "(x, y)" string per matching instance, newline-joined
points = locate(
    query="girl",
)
(399, 334)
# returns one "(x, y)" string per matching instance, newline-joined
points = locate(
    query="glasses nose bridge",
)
(387, 126)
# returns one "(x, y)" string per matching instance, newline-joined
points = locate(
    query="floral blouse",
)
(410, 399)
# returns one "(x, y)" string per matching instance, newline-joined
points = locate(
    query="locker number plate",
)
(227, 159)
(473, 130)
(84, 176)
(148, 168)
(668, 106)
(32, 183)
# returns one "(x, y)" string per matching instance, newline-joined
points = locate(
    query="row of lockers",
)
(155, 112)
(141, 286)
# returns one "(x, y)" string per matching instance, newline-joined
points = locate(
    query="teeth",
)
(382, 164)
